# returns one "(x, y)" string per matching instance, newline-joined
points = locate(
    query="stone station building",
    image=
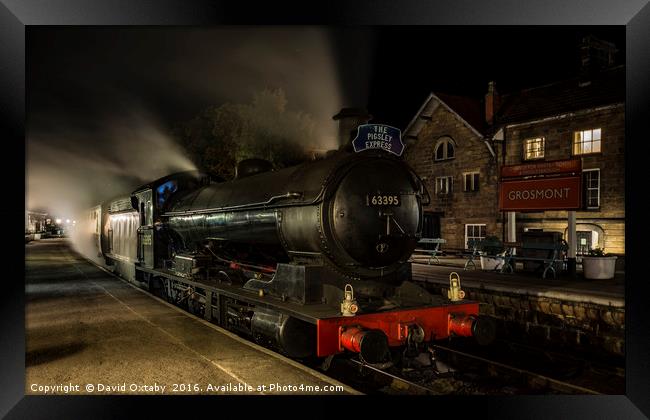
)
(458, 145)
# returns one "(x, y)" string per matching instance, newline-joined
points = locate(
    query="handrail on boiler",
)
(241, 206)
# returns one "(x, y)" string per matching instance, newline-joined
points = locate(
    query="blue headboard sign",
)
(378, 136)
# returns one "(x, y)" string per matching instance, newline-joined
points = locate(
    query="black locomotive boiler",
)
(358, 216)
(310, 260)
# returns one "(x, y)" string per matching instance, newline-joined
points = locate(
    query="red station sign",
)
(563, 193)
(542, 168)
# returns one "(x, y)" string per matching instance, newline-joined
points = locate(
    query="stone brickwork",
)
(558, 133)
(578, 324)
(456, 210)
(471, 154)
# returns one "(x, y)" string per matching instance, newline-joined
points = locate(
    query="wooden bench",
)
(475, 247)
(433, 253)
(548, 262)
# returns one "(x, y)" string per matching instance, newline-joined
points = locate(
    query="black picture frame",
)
(17, 15)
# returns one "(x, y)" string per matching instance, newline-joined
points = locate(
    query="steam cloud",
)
(233, 64)
(71, 168)
(102, 101)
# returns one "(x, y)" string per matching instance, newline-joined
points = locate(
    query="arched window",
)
(444, 149)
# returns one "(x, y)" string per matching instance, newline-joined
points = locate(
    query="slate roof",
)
(606, 88)
(470, 109)
(466, 109)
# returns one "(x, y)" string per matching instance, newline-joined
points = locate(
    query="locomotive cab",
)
(154, 242)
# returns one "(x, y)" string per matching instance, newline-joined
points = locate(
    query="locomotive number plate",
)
(383, 200)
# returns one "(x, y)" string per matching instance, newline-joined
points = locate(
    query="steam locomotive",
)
(310, 260)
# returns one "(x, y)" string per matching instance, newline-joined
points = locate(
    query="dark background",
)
(462, 60)
(176, 72)
(19, 13)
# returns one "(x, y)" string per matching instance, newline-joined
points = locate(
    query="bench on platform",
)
(554, 255)
(433, 253)
(476, 246)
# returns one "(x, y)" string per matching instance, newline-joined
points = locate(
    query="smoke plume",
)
(71, 167)
(102, 101)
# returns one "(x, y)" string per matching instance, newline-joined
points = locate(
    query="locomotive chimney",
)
(349, 119)
(248, 167)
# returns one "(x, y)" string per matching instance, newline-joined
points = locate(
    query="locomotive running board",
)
(309, 313)
(300, 282)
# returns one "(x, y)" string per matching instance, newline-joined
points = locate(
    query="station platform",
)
(88, 332)
(600, 292)
(569, 310)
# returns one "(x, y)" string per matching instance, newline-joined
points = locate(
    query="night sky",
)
(101, 100)
(390, 70)
(462, 60)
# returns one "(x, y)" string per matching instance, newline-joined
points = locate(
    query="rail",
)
(532, 379)
(463, 367)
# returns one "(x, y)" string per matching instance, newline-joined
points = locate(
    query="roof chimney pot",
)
(491, 102)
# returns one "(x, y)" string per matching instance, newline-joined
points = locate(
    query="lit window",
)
(534, 148)
(166, 190)
(587, 141)
(591, 183)
(444, 149)
(587, 240)
(470, 181)
(444, 185)
(474, 232)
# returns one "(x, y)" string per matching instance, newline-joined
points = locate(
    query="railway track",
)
(520, 377)
(467, 372)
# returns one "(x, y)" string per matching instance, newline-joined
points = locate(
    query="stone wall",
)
(471, 154)
(558, 134)
(580, 325)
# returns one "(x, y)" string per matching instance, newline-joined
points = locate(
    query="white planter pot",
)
(491, 263)
(599, 267)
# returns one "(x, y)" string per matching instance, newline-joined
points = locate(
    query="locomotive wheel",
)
(157, 288)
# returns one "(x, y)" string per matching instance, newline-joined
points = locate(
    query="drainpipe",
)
(489, 146)
(503, 162)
